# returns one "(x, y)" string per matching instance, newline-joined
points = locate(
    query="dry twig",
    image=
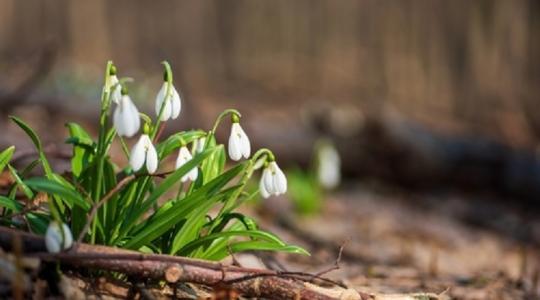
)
(174, 269)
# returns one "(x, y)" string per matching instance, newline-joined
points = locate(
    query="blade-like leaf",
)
(154, 227)
(26, 190)
(5, 157)
(37, 143)
(83, 147)
(67, 193)
(165, 185)
(38, 222)
(256, 234)
(10, 204)
(175, 141)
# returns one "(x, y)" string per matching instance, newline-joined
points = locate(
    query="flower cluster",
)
(144, 156)
(168, 106)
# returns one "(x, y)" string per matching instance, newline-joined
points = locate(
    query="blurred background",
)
(437, 101)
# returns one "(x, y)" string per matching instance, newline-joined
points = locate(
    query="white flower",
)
(199, 144)
(273, 181)
(55, 240)
(239, 145)
(142, 152)
(264, 193)
(112, 85)
(329, 167)
(183, 157)
(126, 118)
(172, 103)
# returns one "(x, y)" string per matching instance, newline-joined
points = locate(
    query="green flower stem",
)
(124, 147)
(103, 121)
(212, 132)
(220, 118)
(168, 93)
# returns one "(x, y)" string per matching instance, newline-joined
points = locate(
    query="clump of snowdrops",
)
(188, 210)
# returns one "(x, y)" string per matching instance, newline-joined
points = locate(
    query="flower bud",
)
(58, 237)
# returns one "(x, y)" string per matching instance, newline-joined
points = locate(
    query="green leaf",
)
(37, 143)
(5, 157)
(172, 179)
(64, 190)
(155, 227)
(10, 204)
(38, 222)
(225, 218)
(174, 142)
(214, 165)
(265, 246)
(25, 189)
(254, 234)
(191, 228)
(83, 148)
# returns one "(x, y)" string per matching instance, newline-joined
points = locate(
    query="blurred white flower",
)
(126, 119)
(55, 240)
(171, 102)
(329, 166)
(142, 152)
(273, 181)
(239, 145)
(183, 157)
(112, 86)
(262, 189)
(199, 144)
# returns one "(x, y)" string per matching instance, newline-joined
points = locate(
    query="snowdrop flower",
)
(58, 237)
(262, 189)
(239, 145)
(329, 166)
(171, 102)
(273, 181)
(183, 157)
(126, 119)
(199, 144)
(112, 85)
(142, 152)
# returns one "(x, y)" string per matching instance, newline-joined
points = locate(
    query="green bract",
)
(151, 213)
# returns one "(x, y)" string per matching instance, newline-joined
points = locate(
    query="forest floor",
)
(395, 244)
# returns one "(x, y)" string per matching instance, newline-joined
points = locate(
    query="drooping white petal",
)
(160, 101)
(126, 118)
(268, 180)
(138, 154)
(183, 157)
(166, 114)
(279, 179)
(199, 144)
(151, 158)
(193, 174)
(160, 97)
(118, 122)
(58, 237)
(176, 104)
(245, 145)
(132, 113)
(264, 193)
(234, 144)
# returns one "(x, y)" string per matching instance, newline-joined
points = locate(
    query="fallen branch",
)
(174, 269)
